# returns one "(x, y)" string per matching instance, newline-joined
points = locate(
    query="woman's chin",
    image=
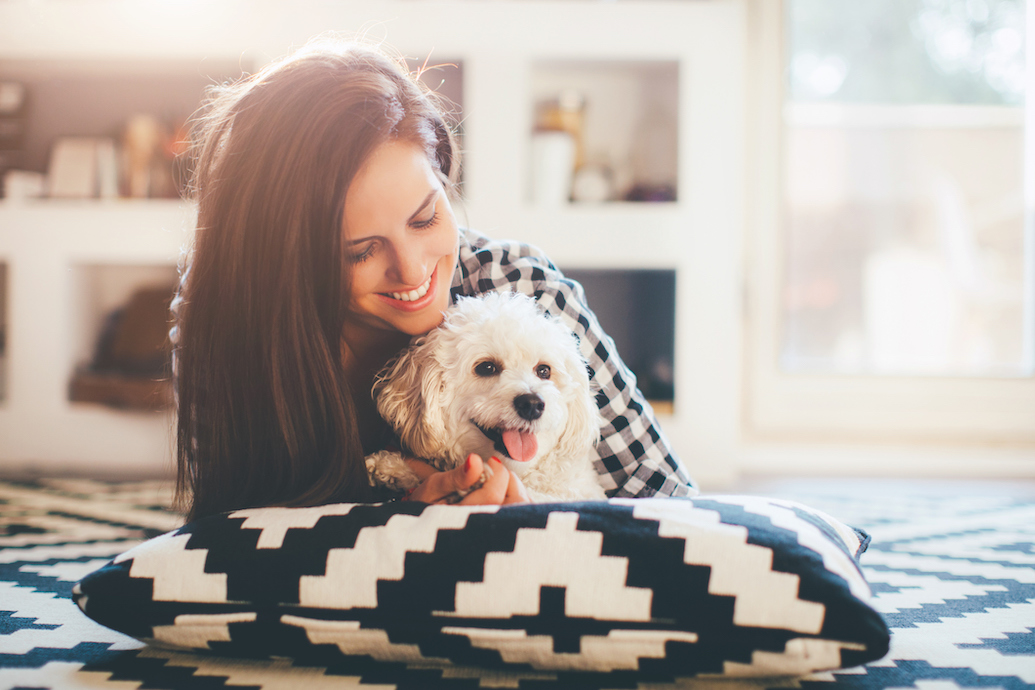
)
(421, 322)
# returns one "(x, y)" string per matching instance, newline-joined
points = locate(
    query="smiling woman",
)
(326, 240)
(398, 257)
(267, 404)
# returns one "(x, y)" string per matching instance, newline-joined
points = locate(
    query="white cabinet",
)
(665, 76)
(56, 253)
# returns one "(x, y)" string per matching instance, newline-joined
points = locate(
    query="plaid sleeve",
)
(633, 455)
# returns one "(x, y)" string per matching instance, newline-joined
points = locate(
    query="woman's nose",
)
(409, 265)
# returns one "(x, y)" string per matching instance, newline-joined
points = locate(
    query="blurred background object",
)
(905, 178)
(13, 115)
(131, 365)
(622, 119)
(101, 128)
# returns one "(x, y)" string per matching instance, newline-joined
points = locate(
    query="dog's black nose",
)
(530, 406)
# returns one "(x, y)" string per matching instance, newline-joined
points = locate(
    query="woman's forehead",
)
(392, 185)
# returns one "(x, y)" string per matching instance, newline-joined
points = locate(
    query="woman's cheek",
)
(450, 233)
(363, 283)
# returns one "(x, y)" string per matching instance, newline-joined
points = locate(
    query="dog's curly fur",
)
(497, 378)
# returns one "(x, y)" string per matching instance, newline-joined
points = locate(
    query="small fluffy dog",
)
(497, 378)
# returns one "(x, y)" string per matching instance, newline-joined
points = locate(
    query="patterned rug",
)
(952, 567)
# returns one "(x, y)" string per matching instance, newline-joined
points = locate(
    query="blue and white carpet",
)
(952, 567)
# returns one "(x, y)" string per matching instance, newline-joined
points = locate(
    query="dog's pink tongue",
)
(521, 445)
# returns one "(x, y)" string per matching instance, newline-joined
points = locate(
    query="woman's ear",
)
(408, 397)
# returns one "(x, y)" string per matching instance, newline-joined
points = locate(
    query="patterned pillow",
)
(724, 585)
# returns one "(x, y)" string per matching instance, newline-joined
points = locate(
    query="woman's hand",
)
(501, 488)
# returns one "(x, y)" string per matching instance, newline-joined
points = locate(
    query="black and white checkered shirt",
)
(634, 457)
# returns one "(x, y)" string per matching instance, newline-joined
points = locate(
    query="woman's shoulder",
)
(487, 265)
(474, 246)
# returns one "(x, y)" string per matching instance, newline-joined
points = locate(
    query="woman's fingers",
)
(500, 488)
(439, 485)
(494, 488)
(471, 472)
(516, 492)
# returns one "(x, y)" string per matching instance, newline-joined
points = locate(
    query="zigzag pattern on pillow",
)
(720, 585)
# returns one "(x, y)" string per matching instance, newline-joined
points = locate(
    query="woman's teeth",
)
(412, 295)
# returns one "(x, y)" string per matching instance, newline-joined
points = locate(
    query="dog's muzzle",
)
(515, 444)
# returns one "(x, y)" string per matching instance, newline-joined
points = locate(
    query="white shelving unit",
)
(46, 246)
(503, 46)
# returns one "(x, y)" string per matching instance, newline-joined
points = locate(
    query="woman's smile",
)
(414, 300)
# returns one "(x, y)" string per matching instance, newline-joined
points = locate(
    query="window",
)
(904, 169)
(894, 291)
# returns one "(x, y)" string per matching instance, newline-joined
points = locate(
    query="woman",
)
(325, 240)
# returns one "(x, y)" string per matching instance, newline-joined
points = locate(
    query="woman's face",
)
(401, 239)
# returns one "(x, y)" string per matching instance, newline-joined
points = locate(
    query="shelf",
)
(608, 129)
(69, 263)
(637, 308)
(601, 236)
(137, 107)
(123, 230)
(120, 322)
(121, 392)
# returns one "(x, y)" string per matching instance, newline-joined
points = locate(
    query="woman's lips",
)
(404, 301)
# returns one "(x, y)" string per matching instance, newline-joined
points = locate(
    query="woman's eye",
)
(362, 256)
(426, 223)
(486, 369)
(543, 371)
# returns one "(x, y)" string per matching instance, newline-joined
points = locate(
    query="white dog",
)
(497, 378)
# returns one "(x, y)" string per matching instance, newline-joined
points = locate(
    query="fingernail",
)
(498, 461)
(467, 464)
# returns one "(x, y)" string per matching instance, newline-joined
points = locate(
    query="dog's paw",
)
(388, 469)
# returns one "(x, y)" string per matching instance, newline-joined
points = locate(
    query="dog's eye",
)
(486, 369)
(543, 371)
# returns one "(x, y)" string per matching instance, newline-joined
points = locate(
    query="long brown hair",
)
(265, 413)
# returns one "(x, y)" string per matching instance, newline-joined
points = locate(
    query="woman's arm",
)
(634, 457)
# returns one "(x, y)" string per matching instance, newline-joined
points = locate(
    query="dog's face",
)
(498, 378)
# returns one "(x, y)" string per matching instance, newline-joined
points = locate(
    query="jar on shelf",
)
(565, 113)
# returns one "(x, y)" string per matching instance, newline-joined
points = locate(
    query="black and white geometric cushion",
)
(716, 585)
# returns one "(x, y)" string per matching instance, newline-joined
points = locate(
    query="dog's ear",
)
(408, 397)
(583, 427)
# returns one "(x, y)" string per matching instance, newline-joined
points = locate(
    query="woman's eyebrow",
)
(424, 205)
